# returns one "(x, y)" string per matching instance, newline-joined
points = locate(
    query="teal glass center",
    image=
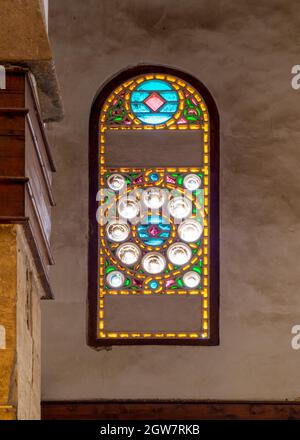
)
(154, 232)
(154, 101)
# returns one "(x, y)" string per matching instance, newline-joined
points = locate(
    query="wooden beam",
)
(172, 410)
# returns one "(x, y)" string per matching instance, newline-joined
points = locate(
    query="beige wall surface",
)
(243, 52)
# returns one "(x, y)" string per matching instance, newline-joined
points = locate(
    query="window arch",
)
(153, 211)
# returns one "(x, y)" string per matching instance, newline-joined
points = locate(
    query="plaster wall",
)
(243, 52)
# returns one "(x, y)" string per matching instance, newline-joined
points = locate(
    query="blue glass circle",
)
(154, 177)
(153, 231)
(153, 284)
(154, 101)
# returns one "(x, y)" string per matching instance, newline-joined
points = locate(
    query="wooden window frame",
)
(98, 102)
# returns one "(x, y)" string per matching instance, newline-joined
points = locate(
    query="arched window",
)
(153, 208)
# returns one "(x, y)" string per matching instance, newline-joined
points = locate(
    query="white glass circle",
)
(190, 230)
(117, 231)
(153, 262)
(179, 253)
(191, 279)
(180, 207)
(115, 279)
(154, 197)
(192, 182)
(128, 207)
(128, 253)
(116, 182)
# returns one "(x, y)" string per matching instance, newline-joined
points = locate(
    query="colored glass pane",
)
(153, 256)
(152, 104)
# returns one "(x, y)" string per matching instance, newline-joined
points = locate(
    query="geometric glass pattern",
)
(155, 242)
(154, 101)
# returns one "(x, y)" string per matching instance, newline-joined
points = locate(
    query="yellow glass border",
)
(170, 125)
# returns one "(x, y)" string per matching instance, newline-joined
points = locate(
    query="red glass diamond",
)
(137, 283)
(154, 101)
(153, 230)
(170, 179)
(170, 283)
(138, 180)
(182, 121)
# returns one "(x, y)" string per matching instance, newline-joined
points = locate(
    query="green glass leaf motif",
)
(180, 180)
(179, 282)
(109, 269)
(117, 113)
(197, 269)
(191, 112)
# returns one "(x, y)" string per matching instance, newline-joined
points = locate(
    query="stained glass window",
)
(154, 224)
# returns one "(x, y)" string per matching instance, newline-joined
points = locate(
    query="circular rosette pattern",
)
(154, 102)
